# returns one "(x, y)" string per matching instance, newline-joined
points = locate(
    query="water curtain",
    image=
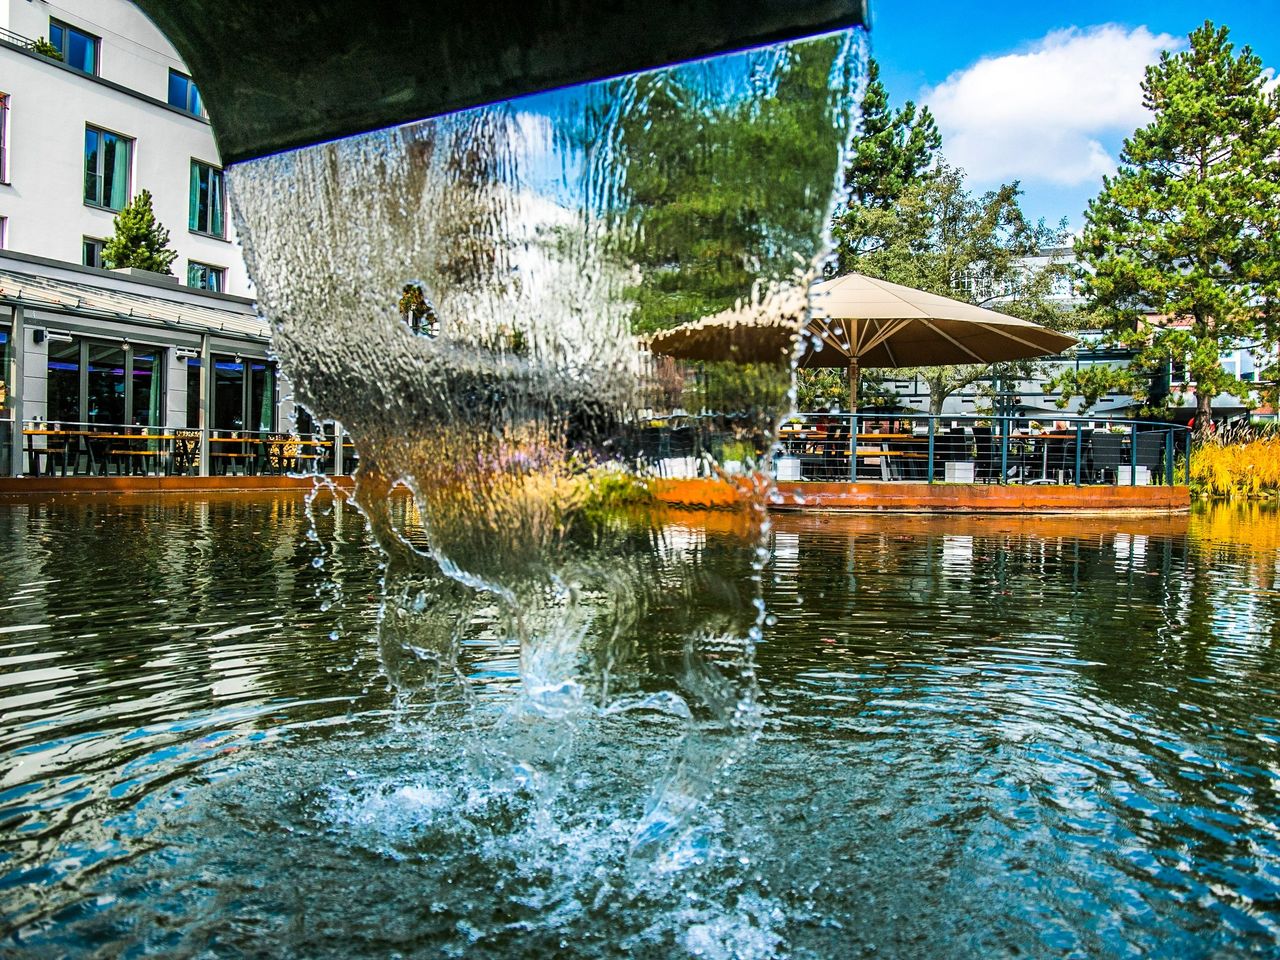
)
(468, 296)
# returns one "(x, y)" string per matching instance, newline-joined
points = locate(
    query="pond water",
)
(982, 737)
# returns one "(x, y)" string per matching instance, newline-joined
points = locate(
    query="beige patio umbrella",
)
(856, 321)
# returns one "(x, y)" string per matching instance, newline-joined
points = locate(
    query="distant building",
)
(1028, 398)
(81, 136)
(87, 348)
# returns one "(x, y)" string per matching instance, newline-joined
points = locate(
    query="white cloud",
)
(1043, 115)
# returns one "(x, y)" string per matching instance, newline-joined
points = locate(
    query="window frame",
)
(128, 191)
(213, 169)
(191, 90)
(83, 344)
(4, 138)
(100, 245)
(212, 269)
(67, 28)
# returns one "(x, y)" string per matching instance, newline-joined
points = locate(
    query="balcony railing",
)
(1021, 450)
(817, 447)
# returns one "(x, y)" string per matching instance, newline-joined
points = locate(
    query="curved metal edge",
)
(280, 75)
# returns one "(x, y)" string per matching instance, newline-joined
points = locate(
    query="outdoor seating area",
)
(105, 450)
(868, 447)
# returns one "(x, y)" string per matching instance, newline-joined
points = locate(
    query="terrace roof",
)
(51, 286)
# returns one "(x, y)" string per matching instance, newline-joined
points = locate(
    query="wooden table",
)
(33, 451)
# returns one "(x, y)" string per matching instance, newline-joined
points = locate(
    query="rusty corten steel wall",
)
(283, 74)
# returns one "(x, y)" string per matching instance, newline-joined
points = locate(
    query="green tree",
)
(1184, 240)
(941, 238)
(140, 240)
(46, 49)
(719, 189)
(891, 151)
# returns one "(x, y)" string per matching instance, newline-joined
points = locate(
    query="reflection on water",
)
(984, 736)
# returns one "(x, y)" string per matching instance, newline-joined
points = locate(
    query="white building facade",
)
(81, 136)
(96, 106)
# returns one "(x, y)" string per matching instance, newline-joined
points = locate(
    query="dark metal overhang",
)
(290, 73)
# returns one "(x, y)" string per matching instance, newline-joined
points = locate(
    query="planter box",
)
(958, 471)
(788, 468)
(1124, 476)
(678, 468)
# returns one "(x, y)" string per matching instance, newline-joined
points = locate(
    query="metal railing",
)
(106, 449)
(813, 447)
(980, 449)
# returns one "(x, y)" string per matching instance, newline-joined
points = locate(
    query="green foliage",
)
(46, 49)
(727, 387)
(817, 388)
(941, 238)
(891, 151)
(720, 191)
(140, 240)
(1189, 227)
(416, 310)
(821, 388)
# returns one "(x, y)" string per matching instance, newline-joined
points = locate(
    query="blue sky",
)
(1043, 92)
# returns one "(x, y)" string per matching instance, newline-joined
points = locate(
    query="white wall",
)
(132, 52)
(48, 109)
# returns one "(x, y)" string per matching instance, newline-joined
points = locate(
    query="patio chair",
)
(1106, 456)
(1061, 459)
(835, 454)
(988, 455)
(953, 446)
(98, 449)
(40, 459)
(1151, 453)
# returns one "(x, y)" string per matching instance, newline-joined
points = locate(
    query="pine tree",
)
(1189, 227)
(139, 239)
(890, 150)
(891, 154)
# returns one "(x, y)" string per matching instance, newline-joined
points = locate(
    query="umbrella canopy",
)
(857, 321)
(752, 333)
(874, 323)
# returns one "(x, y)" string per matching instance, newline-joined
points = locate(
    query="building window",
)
(183, 93)
(108, 158)
(244, 394)
(6, 365)
(4, 138)
(78, 49)
(206, 207)
(204, 277)
(93, 381)
(4, 233)
(91, 252)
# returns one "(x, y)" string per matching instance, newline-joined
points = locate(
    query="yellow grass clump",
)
(1234, 467)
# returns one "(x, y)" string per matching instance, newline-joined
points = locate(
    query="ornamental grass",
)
(1235, 465)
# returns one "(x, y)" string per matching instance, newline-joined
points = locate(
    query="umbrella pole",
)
(853, 386)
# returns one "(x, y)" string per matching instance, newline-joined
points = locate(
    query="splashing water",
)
(464, 295)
